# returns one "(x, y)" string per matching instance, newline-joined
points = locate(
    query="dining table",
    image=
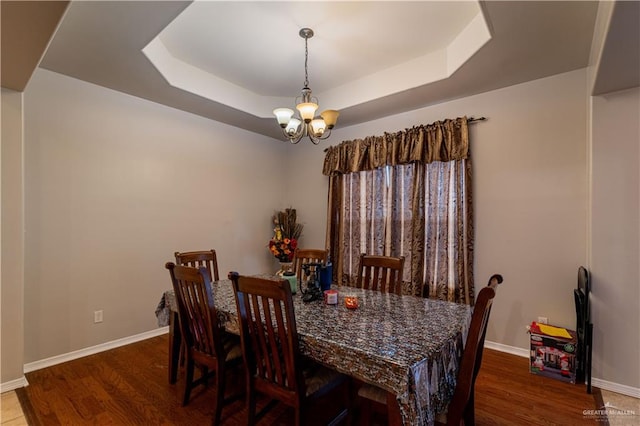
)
(409, 346)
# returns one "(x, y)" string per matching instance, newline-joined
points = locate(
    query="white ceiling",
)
(232, 61)
(233, 40)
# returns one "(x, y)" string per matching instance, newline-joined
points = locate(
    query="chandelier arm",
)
(324, 136)
(316, 139)
(305, 131)
(295, 138)
(313, 139)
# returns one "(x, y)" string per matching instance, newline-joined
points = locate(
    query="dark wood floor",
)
(128, 385)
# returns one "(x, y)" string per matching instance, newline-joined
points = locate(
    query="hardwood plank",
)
(507, 394)
(128, 385)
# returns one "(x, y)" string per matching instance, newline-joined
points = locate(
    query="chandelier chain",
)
(306, 58)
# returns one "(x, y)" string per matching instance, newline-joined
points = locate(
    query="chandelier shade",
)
(292, 126)
(283, 115)
(330, 117)
(316, 128)
(307, 110)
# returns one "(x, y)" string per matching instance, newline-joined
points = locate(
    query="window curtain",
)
(405, 194)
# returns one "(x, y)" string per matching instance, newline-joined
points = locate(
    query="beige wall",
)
(530, 194)
(114, 185)
(12, 250)
(615, 251)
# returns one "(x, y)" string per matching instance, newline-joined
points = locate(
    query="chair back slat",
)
(196, 259)
(381, 273)
(303, 256)
(269, 336)
(461, 408)
(278, 339)
(261, 351)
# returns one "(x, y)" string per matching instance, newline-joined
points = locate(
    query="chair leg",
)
(349, 396)
(188, 381)
(220, 385)
(175, 347)
(251, 405)
(364, 411)
(298, 416)
(204, 375)
(470, 412)
(183, 354)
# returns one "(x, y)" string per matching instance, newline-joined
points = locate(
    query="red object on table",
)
(351, 302)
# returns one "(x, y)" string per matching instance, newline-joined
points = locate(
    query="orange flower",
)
(284, 249)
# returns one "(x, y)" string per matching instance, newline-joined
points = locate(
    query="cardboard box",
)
(551, 355)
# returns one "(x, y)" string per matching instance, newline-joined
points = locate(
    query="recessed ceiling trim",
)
(429, 68)
(423, 70)
(417, 72)
(468, 42)
(192, 79)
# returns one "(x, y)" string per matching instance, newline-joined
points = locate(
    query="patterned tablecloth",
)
(407, 345)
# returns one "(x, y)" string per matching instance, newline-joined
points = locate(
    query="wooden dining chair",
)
(196, 259)
(270, 347)
(461, 408)
(206, 344)
(303, 256)
(381, 273)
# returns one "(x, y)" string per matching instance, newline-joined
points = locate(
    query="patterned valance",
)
(440, 141)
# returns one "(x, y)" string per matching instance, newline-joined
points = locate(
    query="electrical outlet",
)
(543, 320)
(97, 316)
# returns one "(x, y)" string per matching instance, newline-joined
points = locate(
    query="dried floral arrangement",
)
(286, 220)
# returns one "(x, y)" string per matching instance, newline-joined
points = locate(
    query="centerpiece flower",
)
(286, 234)
(283, 249)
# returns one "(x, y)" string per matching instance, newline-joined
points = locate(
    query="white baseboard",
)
(13, 384)
(508, 349)
(48, 362)
(616, 387)
(599, 383)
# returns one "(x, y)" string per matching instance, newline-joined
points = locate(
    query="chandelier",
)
(316, 128)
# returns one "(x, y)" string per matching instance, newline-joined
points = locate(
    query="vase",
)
(284, 267)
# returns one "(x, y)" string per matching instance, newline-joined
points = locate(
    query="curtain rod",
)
(469, 120)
